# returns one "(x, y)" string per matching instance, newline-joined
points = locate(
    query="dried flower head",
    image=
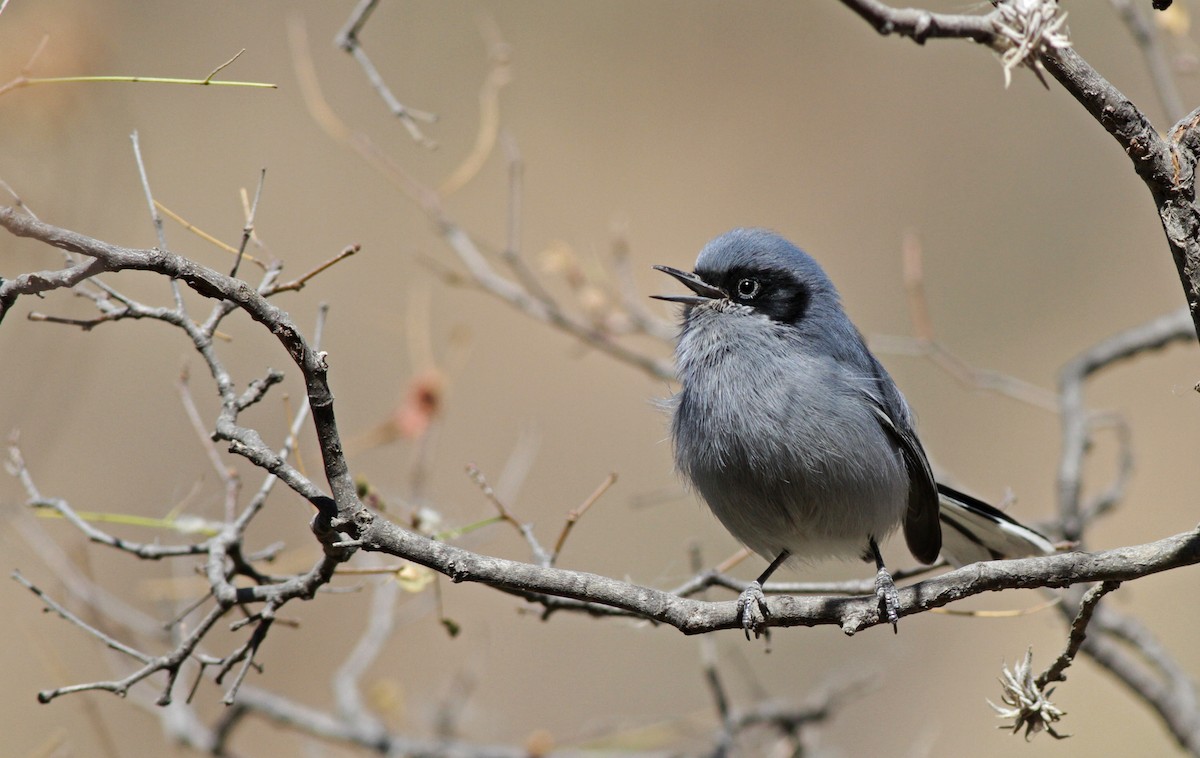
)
(1028, 706)
(1025, 29)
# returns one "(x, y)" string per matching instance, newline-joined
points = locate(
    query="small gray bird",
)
(795, 435)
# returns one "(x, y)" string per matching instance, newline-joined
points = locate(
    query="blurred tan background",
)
(677, 120)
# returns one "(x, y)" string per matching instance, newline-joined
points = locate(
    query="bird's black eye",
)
(748, 289)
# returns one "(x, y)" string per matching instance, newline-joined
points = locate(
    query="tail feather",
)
(974, 531)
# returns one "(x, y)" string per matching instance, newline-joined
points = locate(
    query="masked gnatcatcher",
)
(795, 435)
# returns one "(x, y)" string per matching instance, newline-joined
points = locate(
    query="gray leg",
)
(885, 588)
(752, 603)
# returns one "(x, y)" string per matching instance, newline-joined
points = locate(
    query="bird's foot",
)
(752, 611)
(889, 597)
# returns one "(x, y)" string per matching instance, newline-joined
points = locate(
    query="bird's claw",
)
(752, 611)
(889, 597)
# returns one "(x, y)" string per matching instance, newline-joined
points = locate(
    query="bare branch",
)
(307, 720)
(851, 614)
(525, 294)
(483, 274)
(376, 631)
(245, 654)
(921, 25)
(44, 281)
(154, 217)
(499, 75)
(227, 474)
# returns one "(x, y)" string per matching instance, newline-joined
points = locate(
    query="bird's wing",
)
(922, 528)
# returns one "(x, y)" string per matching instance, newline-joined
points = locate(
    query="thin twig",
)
(208, 79)
(577, 513)
(248, 228)
(632, 299)
(347, 40)
(512, 248)
(298, 284)
(17, 201)
(377, 630)
(246, 654)
(708, 665)
(1144, 33)
(1102, 502)
(499, 75)
(23, 81)
(924, 344)
(1087, 606)
(61, 611)
(922, 25)
(228, 475)
(159, 232)
(540, 556)
(971, 377)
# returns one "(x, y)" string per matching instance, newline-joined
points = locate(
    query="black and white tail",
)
(974, 531)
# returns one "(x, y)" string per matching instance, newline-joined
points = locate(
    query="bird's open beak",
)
(704, 291)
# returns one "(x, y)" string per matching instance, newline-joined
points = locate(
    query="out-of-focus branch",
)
(1144, 33)
(347, 40)
(485, 276)
(1127, 649)
(924, 341)
(523, 291)
(792, 723)
(287, 712)
(1076, 421)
